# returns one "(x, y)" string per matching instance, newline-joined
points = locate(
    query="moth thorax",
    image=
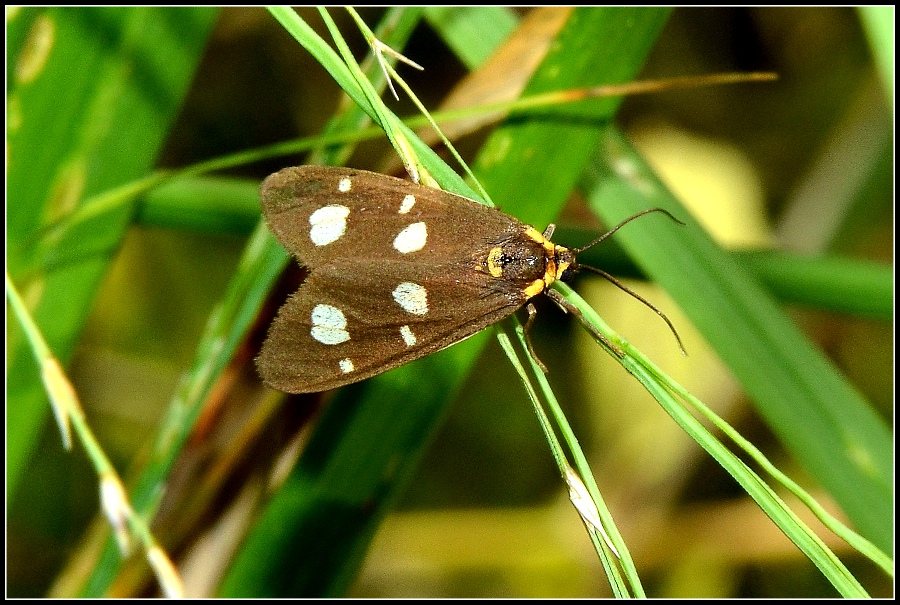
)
(520, 261)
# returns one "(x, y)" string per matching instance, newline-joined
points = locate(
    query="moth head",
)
(565, 264)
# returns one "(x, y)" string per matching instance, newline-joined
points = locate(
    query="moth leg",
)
(532, 314)
(570, 308)
(548, 232)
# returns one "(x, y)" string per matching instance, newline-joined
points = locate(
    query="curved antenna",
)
(622, 224)
(628, 290)
(619, 284)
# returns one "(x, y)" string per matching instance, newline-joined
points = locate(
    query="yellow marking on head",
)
(536, 287)
(537, 236)
(493, 263)
(550, 272)
(565, 261)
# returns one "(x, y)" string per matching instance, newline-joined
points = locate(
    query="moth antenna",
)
(622, 224)
(628, 290)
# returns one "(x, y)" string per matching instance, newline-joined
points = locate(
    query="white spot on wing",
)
(329, 325)
(407, 204)
(346, 365)
(408, 337)
(329, 224)
(344, 184)
(412, 297)
(411, 239)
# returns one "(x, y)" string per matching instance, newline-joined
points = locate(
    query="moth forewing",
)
(322, 213)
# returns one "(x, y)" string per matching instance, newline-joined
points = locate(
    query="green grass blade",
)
(260, 266)
(821, 418)
(90, 105)
(472, 32)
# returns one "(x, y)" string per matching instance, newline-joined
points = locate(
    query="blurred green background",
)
(803, 164)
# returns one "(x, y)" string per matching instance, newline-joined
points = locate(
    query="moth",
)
(397, 271)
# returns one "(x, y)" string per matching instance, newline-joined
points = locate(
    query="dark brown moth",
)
(397, 271)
